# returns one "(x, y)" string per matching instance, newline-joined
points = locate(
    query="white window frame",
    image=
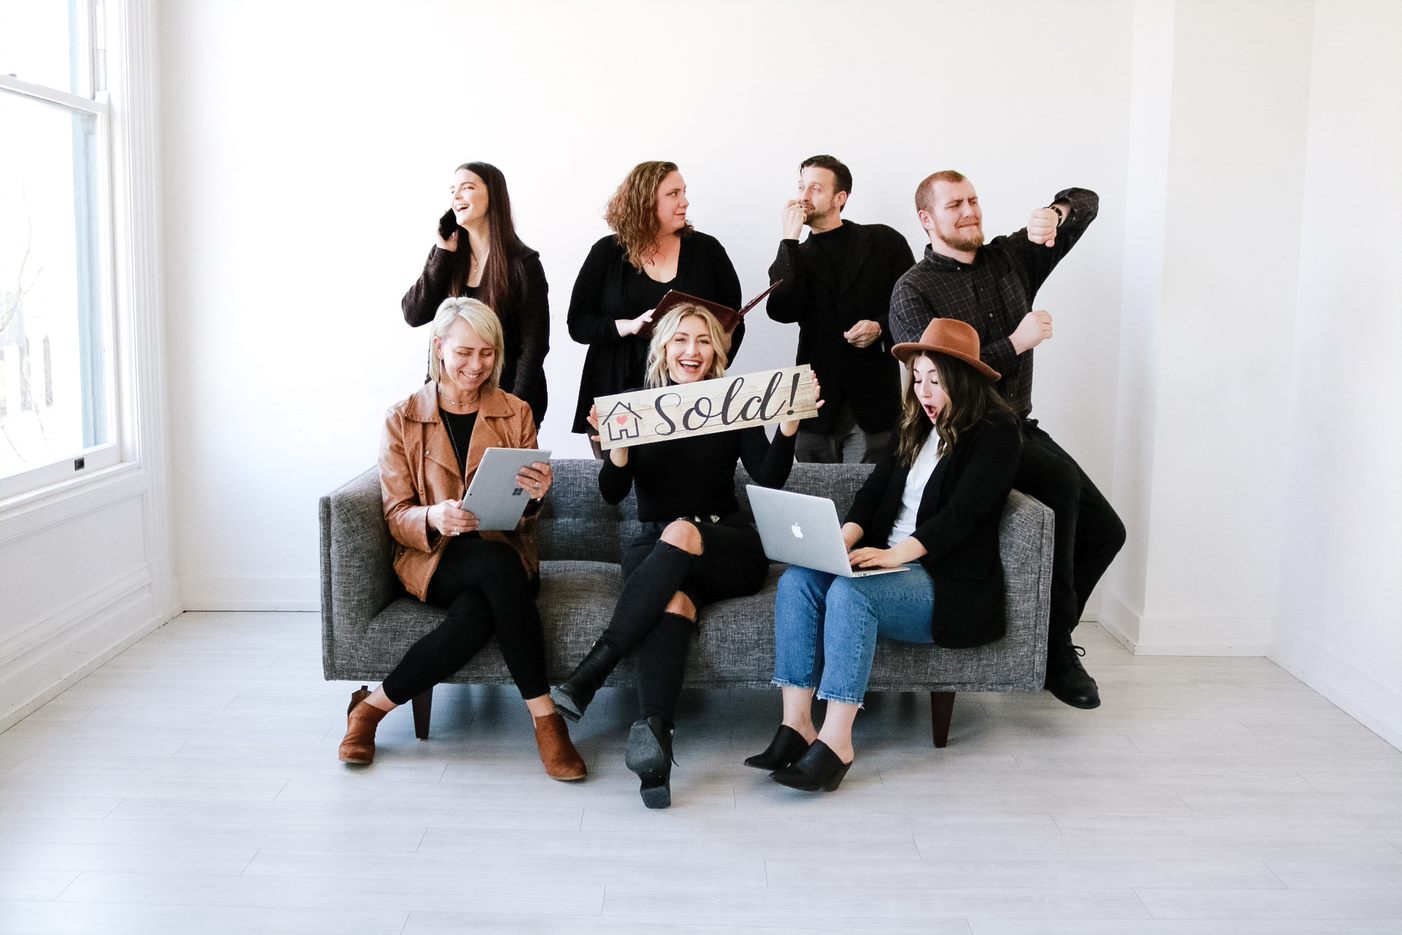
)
(79, 467)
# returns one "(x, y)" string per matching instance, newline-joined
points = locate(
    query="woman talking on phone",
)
(477, 255)
(695, 546)
(485, 581)
(653, 249)
(932, 508)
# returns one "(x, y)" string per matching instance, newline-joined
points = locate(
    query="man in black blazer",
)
(836, 286)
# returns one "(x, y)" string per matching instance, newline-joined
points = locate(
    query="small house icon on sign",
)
(623, 423)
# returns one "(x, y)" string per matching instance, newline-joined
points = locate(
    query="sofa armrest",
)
(357, 573)
(1025, 544)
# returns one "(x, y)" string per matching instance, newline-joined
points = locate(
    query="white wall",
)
(307, 157)
(1340, 623)
(1211, 251)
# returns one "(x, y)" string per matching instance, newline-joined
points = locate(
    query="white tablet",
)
(494, 496)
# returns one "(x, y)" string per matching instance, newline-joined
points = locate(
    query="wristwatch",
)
(1060, 215)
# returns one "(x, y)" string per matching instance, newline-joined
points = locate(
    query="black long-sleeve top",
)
(695, 476)
(525, 318)
(993, 293)
(609, 288)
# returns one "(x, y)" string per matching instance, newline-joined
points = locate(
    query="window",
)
(57, 394)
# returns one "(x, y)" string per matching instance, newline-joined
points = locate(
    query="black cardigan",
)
(525, 318)
(613, 364)
(825, 302)
(957, 523)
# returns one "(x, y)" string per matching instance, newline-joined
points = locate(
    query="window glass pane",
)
(46, 42)
(53, 346)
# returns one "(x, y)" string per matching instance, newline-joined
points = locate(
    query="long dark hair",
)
(971, 400)
(503, 246)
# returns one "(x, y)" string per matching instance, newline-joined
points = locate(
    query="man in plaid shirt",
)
(991, 286)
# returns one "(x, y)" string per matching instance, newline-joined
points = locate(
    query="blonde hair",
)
(632, 211)
(655, 374)
(480, 319)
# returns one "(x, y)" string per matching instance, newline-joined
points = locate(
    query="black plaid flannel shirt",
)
(993, 293)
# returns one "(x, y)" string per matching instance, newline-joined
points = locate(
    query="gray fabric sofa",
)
(368, 621)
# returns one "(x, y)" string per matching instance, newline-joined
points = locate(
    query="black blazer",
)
(825, 302)
(957, 522)
(614, 364)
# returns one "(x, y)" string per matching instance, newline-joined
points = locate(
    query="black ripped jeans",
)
(731, 564)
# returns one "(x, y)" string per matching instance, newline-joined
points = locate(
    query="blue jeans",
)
(829, 624)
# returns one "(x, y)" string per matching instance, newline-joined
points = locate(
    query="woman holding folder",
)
(653, 249)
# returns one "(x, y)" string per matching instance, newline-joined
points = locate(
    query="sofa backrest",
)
(577, 524)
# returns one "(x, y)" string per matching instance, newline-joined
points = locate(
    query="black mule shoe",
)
(818, 768)
(573, 695)
(650, 756)
(786, 747)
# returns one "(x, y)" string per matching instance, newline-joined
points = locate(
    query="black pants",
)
(731, 564)
(486, 592)
(1088, 532)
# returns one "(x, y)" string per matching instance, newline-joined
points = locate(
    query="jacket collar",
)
(423, 405)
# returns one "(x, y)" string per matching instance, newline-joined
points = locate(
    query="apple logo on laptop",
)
(797, 531)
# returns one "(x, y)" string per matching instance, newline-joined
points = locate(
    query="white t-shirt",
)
(915, 482)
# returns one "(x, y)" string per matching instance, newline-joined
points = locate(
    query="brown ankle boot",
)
(358, 746)
(562, 761)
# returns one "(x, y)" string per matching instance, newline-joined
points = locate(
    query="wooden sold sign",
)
(720, 405)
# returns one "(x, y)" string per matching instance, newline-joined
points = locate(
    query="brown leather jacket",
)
(418, 469)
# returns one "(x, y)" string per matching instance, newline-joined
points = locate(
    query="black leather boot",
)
(650, 756)
(573, 695)
(1067, 679)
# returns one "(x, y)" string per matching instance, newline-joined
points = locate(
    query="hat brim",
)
(904, 352)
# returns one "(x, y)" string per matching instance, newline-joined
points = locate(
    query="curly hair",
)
(655, 373)
(972, 399)
(632, 211)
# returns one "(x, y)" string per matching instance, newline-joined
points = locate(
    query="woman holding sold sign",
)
(696, 545)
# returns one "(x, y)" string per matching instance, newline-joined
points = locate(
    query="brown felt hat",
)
(947, 336)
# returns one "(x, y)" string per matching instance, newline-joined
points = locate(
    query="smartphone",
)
(447, 224)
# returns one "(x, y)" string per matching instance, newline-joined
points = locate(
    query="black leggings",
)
(486, 592)
(731, 564)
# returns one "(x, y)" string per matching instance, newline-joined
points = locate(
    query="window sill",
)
(27, 513)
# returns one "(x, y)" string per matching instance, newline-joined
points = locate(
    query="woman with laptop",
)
(696, 546)
(933, 507)
(486, 581)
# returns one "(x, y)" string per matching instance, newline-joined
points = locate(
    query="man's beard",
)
(964, 239)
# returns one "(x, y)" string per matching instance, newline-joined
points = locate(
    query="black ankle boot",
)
(573, 695)
(1067, 679)
(650, 756)
(788, 745)
(818, 768)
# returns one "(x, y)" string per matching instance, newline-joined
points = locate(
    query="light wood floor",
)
(191, 785)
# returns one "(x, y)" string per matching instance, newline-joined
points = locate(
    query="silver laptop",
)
(803, 530)
(494, 496)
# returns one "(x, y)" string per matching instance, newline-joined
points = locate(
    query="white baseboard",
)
(1185, 636)
(250, 593)
(1376, 706)
(79, 638)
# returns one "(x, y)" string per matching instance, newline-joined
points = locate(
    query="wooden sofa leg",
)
(941, 711)
(423, 707)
